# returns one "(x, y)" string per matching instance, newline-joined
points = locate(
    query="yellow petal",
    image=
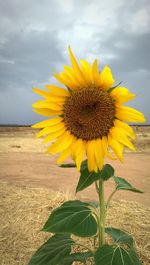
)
(49, 96)
(90, 155)
(107, 79)
(42, 93)
(116, 147)
(54, 135)
(63, 156)
(76, 146)
(62, 78)
(96, 75)
(58, 91)
(43, 104)
(76, 67)
(119, 136)
(47, 123)
(122, 95)
(69, 71)
(62, 143)
(129, 114)
(125, 127)
(78, 152)
(99, 154)
(87, 71)
(105, 145)
(48, 112)
(51, 129)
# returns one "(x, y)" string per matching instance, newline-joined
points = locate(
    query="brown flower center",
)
(89, 113)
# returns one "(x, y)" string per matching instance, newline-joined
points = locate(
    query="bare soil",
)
(23, 161)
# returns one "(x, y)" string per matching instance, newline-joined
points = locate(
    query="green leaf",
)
(73, 217)
(119, 236)
(87, 177)
(116, 255)
(122, 184)
(53, 252)
(107, 172)
(82, 257)
(68, 165)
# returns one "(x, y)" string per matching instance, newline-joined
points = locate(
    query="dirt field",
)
(31, 185)
(23, 161)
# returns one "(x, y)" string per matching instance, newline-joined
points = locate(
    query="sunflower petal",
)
(51, 129)
(63, 156)
(96, 75)
(105, 145)
(47, 105)
(121, 95)
(58, 91)
(116, 147)
(80, 156)
(76, 67)
(121, 137)
(107, 79)
(47, 112)
(99, 154)
(61, 144)
(129, 114)
(87, 71)
(42, 93)
(90, 155)
(54, 135)
(47, 123)
(125, 127)
(69, 71)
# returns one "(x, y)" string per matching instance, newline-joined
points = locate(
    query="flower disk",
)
(89, 113)
(87, 118)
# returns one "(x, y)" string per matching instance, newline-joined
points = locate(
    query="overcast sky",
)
(34, 36)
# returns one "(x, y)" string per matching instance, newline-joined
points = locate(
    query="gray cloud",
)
(34, 39)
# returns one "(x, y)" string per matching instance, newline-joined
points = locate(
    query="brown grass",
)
(24, 210)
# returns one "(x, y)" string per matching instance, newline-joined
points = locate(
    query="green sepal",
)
(72, 217)
(87, 177)
(119, 236)
(116, 255)
(67, 165)
(54, 251)
(122, 184)
(112, 88)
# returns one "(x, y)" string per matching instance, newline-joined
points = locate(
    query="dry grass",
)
(24, 210)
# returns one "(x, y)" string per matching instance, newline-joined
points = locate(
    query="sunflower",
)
(87, 118)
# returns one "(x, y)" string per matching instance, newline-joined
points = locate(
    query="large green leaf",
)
(119, 236)
(82, 257)
(116, 255)
(73, 217)
(122, 184)
(53, 252)
(87, 177)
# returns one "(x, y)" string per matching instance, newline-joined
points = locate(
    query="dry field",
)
(32, 185)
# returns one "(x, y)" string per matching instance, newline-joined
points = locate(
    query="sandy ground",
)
(31, 186)
(23, 161)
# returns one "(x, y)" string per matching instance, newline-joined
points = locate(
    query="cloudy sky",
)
(34, 36)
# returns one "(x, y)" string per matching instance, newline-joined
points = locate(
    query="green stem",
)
(97, 187)
(110, 197)
(83, 246)
(102, 214)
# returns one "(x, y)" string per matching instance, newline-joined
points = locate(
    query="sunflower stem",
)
(102, 214)
(110, 197)
(97, 187)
